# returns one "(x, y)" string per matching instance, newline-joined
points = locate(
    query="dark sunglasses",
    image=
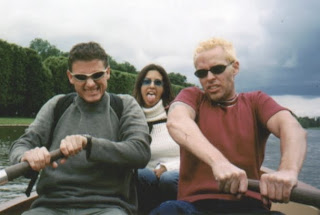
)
(94, 76)
(216, 70)
(148, 82)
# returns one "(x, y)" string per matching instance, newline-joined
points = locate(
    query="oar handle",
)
(298, 194)
(22, 168)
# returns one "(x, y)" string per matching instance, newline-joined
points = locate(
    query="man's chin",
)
(92, 98)
(214, 97)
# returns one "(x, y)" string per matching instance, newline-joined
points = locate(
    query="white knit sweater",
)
(164, 149)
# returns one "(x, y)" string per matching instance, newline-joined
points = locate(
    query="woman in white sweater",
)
(159, 180)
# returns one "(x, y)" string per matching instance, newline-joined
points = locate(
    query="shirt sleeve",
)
(190, 96)
(266, 107)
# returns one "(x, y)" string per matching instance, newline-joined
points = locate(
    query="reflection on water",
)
(18, 186)
(309, 174)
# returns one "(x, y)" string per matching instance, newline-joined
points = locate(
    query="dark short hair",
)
(167, 95)
(87, 52)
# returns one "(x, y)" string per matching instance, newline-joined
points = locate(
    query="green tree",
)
(121, 82)
(13, 84)
(127, 67)
(17, 80)
(178, 79)
(122, 67)
(45, 49)
(40, 85)
(58, 67)
(6, 67)
(113, 64)
(25, 85)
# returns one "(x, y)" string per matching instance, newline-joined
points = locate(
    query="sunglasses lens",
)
(81, 77)
(217, 69)
(146, 82)
(201, 73)
(158, 83)
(97, 75)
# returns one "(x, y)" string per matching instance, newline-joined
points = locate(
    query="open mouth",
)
(213, 88)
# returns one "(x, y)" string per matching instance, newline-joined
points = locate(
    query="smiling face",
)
(90, 90)
(151, 94)
(218, 87)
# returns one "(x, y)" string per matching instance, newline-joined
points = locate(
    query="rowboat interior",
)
(20, 204)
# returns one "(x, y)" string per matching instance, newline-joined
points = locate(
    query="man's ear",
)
(108, 72)
(70, 77)
(236, 67)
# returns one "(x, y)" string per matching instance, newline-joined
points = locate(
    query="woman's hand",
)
(159, 170)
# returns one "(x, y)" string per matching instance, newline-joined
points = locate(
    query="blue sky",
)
(277, 42)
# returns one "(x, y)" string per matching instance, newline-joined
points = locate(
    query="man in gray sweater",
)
(99, 179)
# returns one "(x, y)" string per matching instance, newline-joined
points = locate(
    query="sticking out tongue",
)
(151, 98)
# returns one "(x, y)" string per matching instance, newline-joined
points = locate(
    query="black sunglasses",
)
(148, 82)
(95, 76)
(216, 70)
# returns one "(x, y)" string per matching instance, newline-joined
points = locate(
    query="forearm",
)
(37, 134)
(25, 143)
(187, 134)
(133, 153)
(17, 150)
(132, 146)
(293, 141)
(293, 148)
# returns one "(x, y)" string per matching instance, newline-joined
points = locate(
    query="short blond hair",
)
(214, 42)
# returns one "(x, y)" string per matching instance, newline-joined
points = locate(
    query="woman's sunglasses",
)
(216, 70)
(94, 76)
(147, 82)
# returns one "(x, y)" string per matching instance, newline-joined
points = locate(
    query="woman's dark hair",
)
(167, 95)
(87, 52)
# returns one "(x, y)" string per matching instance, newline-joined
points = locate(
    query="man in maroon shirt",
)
(222, 137)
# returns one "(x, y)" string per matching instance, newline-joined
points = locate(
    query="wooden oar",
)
(298, 194)
(17, 170)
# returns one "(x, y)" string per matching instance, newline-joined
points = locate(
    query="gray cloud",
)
(276, 41)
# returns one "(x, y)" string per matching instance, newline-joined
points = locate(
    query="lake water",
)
(310, 172)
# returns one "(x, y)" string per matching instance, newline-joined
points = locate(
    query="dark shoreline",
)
(8, 125)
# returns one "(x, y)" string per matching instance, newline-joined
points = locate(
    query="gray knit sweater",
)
(118, 147)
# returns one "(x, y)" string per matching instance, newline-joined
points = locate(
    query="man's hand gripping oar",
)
(300, 194)
(38, 158)
(17, 170)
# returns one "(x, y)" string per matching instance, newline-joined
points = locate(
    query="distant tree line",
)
(30, 76)
(307, 122)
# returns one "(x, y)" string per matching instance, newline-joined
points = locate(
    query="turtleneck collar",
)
(96, 106)
(155, 113)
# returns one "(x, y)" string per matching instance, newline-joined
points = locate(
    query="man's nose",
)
(90, 81)
(211, 75)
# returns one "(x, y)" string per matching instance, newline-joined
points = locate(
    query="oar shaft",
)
(298, 194)
(17, 170)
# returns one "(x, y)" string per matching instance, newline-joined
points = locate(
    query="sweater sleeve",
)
(164, 149)
(133, 149)
(37, 134)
